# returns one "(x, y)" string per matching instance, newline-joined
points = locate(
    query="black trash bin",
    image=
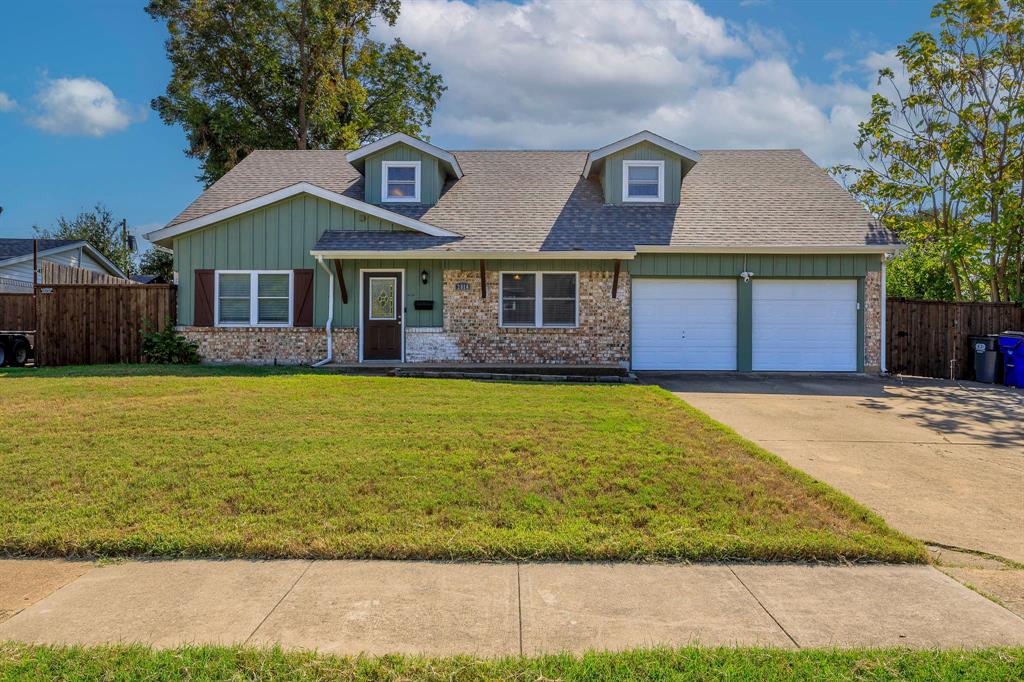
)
(987, 367)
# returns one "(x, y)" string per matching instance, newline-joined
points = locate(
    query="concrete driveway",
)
(939, 460)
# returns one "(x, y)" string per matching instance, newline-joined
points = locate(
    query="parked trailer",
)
(16, 348)
(17, 329)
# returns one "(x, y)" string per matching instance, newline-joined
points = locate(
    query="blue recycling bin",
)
(1012, 347)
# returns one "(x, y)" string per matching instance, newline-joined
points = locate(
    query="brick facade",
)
(602, 337)
(431, 344)
(270, 346)
(873, 322)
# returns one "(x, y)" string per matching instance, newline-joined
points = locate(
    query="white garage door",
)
(805, 325)
(684, 324)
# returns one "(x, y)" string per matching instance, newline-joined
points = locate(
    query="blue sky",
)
(77, 78)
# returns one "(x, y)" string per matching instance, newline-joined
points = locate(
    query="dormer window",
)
(643, 181)
(400, 181)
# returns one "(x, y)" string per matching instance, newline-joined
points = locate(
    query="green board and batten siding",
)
(432, 174)
(611, 176)
(762, 265)
(280, 237)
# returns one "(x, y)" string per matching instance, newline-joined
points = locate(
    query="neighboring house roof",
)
(148, 279)
(14, 248)
(19, 250)
(537, 201)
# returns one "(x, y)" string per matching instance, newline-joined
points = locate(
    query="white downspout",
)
(885, 257)
(330, 312)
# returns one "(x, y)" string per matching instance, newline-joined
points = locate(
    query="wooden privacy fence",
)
(85, 324)
(931, 338)
(17, 312)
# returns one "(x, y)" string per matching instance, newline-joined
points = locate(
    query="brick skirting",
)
(271, 346)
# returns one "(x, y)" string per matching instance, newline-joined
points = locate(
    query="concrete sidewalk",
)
(435, 608)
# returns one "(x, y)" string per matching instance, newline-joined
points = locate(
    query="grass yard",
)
(19, 661)
(278, 463)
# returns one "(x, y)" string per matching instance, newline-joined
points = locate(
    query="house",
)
(16, 260)
(643, 254)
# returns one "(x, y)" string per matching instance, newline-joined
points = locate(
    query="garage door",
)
(805, 325)
(684, 324)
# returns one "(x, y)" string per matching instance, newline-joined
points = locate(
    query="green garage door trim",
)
(697, 265)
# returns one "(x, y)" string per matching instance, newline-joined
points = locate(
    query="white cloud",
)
(6, 102)
(556, 74)
(82, 106)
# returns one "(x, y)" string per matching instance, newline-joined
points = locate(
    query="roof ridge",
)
(535, 150)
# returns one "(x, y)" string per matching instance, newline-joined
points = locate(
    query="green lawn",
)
(19, 661)
(278, 463)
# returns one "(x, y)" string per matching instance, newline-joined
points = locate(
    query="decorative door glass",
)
(382, 298)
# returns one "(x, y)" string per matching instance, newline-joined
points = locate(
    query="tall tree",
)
(157, 261)
(277, 74)
(98, 227)
(943, 148)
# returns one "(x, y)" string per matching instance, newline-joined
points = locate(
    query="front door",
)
(382, 315)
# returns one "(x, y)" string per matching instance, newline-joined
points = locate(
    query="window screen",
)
(518, 299)
(643, 181)
(272, 306)
(234, 301)
(559, 299)
(401, 182)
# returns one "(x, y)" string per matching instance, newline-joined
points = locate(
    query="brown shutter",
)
(202, 315)
(302, 303)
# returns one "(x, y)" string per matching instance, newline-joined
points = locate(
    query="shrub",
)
(167, 347)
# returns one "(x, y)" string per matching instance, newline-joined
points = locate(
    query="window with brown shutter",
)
(202, 315)
(303, 298)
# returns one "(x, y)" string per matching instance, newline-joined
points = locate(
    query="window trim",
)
(538, 315)
(626, 165)
(384, 167)
(254, 298)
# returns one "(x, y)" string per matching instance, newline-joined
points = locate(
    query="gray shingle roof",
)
(13, 248)
(380, 241)
(532, 201)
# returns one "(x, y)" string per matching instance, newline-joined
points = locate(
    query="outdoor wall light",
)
(424, 276)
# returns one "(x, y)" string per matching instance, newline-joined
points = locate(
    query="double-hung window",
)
(400, 181)
(643, 180)
(539, 299)
(254, 299)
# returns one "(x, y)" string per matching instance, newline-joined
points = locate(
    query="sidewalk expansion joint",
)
(764, 608)
(519, 599)
(283, 596)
